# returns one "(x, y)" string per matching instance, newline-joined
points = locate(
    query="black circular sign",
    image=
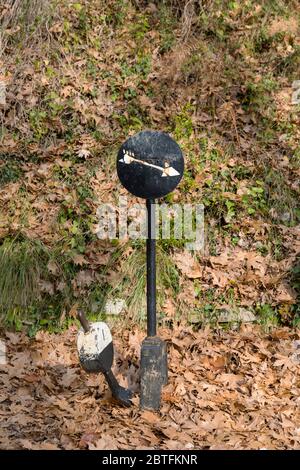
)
(150, 164)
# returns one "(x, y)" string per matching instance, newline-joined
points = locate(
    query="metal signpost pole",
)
(153, 351)
(151, 269)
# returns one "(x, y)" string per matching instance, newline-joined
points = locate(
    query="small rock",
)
(239, 315)
(115, 306)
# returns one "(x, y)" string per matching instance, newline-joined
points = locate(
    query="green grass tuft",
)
(21, 263)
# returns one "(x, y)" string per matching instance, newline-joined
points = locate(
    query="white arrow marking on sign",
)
(166, 171)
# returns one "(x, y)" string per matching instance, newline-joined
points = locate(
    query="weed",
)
(52, 100)
(10, 170)
(75, 229)
(141, 67)
(38, 125)
(84, 192)
(167, 25)
(116, 13)
(267, 316)
(135, 118)
(254, 201)
(182, 122)
(257, 96)
(264, 42)
(140, 27)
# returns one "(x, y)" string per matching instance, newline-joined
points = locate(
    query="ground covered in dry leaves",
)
(227, 390)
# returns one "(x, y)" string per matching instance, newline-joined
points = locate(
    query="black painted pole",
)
(154, 372)
(151, 269)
